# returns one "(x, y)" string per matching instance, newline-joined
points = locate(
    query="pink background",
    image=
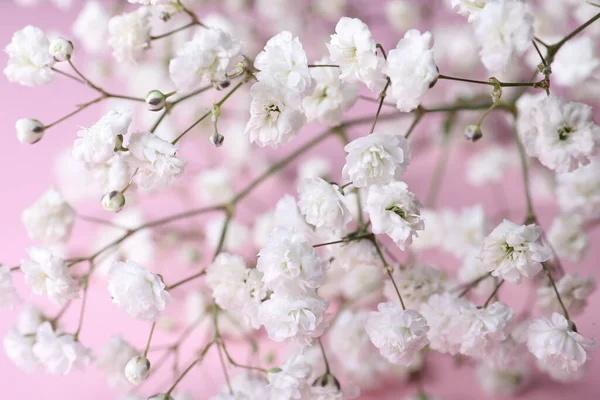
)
(27, 171)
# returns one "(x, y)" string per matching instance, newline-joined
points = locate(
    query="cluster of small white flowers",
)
(416, 284)
(323, 204)
(50, 219)
(29, 58)
(129, 35)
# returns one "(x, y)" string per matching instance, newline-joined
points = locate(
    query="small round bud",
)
(164, 16)
(473, 133)
(113, 201)
(61, 49)
(156, 100)
(137, 369)
(216, 139)
(29, 131)
(161, 396)
(221, 85)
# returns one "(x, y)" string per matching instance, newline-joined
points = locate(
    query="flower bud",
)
(473, 133)
(156, 100)
(29, 130)
(216, 139)
(161, 396)
(137, 369)
(61, 49)
(221, 85)
(113, 201)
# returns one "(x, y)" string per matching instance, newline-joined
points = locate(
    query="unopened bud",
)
(113, 201)
(473, 133)
(164, 16)
(61, 49)
(137, 369)
(29, 130)
(156, 100)
(221, 84)
(216, 139)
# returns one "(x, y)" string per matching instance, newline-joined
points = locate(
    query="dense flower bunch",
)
(340, 269)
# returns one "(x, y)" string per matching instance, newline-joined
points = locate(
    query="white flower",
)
(59, 352)
(470, 8)
(18, 347)
(215, 185)
(29, 60)
(263, 225)
(578, 192)
(353, 49)
(49, 276)
(331, 97)
(137, 369)
(512, 251)
(226, 277)
(575, 62)
(556, 344)
(91, 26)
(411, 68)
(207, 58)
(488, 166)
(568, 237)
(29, 320)
(50, 219)
(525, 104)
(287, 215)
(112, 359)
(375, 159)
(323, 204)
(129, 34)
(416, 284)
(8, 292)
(394, 210)
(113, 175)
(61, 49)
(156, 158)
(442, 313)
(137, 291)
(465, 231)
(503, 29)
(574, 291)
(290, 263)
(398, 334)
(354, 253)
(562, 134)
(273, 120)
(97, 144)
(363, 282)
(283, 64)
(500, 382)
(29, 131)
(482, 328)
(236, 236)
(298, 318)
(289, 381)
(315, 167)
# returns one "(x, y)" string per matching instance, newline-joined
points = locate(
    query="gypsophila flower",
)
(503, 29)
(568, 237)
(226, 277)
(156, 158)
(29, 60)
(289, 381)
(8, 292)
(512, 251)
(556, 344)
(283, 65)
(97, 144)
(562, 134)
(215, 185)
(442, 312)
(112, 359)
(299, 318)
(574, 291)
(18, 347)
(50, 219)
(356, 252)
(411, 68)
(465, 231)
(331, 97)
(208, 58)
(470, 8)
(323, 204)
(353, 49)
(129, 34)
(315, 167)
(49, 276)
(481, 328)
(578, 192)
(91, 26)
(394, 210)
(575, 62)
(363, 282)
(273, 121)
(59, 352)
(287, 215)
(396, 333)
(416, 283)
(290, 263)
(376, 159)
(61, 49)
(125, 278)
